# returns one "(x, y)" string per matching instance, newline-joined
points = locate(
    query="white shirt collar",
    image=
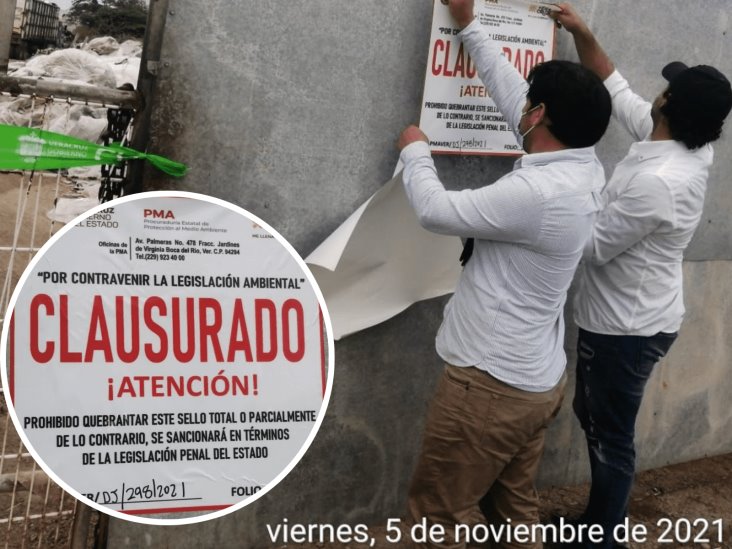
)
(585, 154)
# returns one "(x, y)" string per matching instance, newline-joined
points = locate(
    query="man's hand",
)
(569, 19)
(462, 11)
(410, 135)
(591, 54)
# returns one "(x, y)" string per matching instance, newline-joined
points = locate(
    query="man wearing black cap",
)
(629, 303)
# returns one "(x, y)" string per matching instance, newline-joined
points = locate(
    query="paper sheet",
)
(458, 113)
(380, 261)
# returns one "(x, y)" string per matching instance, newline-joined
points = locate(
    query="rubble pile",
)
(99, 62)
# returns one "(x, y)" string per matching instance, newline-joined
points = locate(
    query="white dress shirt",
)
(530, 228)
(631, 280)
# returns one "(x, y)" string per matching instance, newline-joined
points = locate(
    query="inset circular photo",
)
(168, 358)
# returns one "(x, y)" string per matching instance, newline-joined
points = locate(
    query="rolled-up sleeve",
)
(508, 210)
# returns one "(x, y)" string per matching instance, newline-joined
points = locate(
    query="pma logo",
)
(541, 10)
(158, 214)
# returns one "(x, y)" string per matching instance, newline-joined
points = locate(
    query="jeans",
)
(611, 375)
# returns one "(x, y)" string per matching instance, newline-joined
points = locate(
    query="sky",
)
(63, 4)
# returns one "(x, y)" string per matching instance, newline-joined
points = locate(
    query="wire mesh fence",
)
(34, 510)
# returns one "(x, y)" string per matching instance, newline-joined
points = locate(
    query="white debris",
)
(67, 208)
(102, 62)
(71, 65)
(130, 48)
(104, 45)
(80, 121)
(126, 70)
(84, 196)
(84, 122)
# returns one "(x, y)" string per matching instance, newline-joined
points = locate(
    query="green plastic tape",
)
(34, 149)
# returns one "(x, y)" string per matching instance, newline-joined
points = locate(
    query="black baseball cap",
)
(703, 90)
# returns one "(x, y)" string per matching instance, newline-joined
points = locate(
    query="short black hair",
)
(577, 103)
(688, 124)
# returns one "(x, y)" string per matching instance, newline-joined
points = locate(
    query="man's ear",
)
(538, 115)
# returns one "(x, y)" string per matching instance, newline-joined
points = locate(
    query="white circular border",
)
(330, 363)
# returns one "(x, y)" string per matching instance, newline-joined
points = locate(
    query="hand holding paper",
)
(410, 135)
(462, 11)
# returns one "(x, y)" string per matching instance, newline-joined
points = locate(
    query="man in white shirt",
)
(503, 332)
(629, 303)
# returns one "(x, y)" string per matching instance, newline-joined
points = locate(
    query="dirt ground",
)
(34, 230)
(689, 494)
(694, 491)
(34, 511)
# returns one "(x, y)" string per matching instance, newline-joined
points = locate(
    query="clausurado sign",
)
(457, 113)
(167, 355)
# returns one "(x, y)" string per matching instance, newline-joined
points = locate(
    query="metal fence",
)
(35, 511)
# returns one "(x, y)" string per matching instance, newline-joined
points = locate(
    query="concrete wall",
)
(291, 110)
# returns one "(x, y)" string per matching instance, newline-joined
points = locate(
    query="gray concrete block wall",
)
(291, 110)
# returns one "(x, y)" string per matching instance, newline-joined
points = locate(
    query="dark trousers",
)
(611, 375)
